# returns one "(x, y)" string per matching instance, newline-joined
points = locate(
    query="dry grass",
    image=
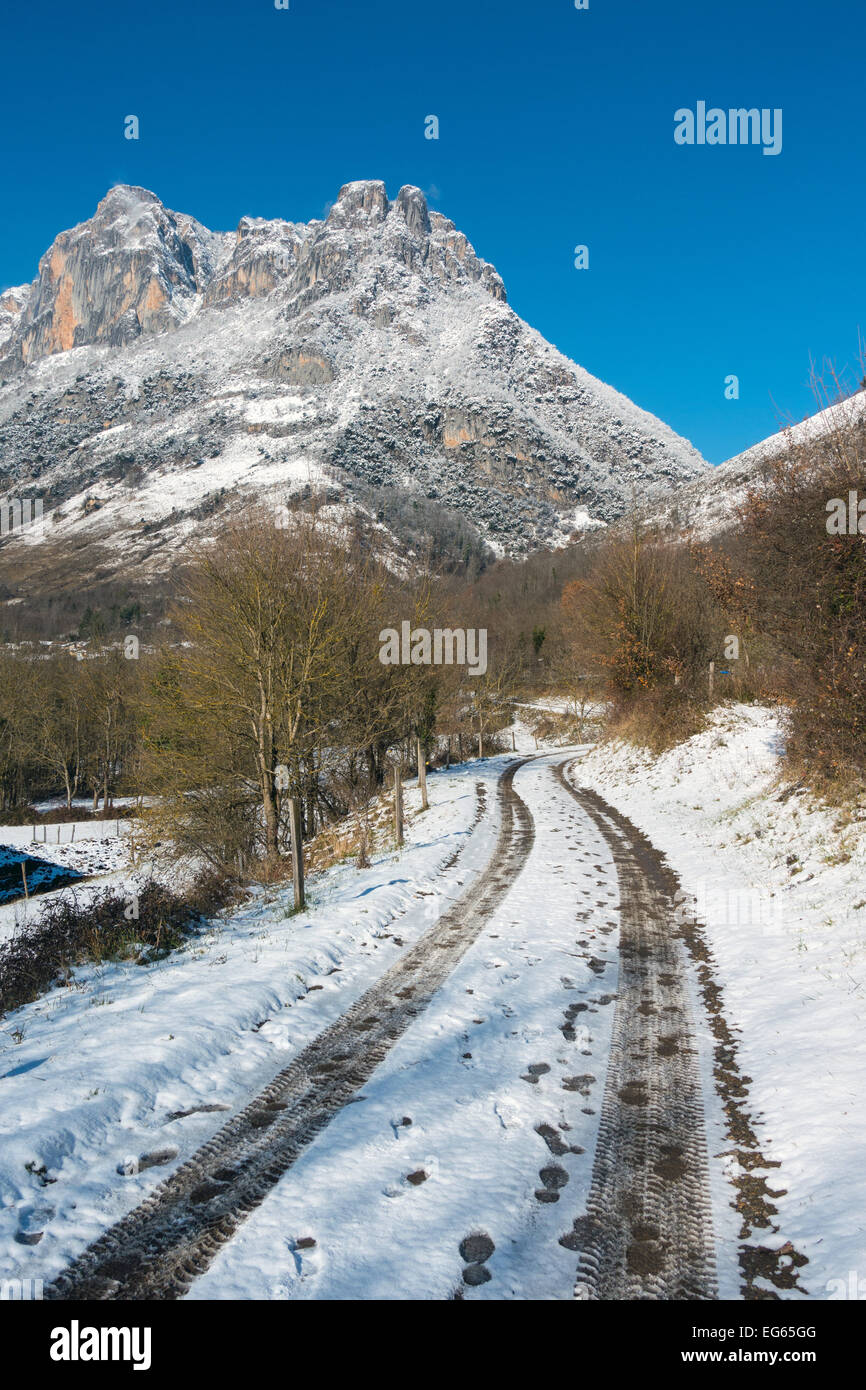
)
(659, 720)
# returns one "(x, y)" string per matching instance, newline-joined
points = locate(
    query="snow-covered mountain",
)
(155, 372)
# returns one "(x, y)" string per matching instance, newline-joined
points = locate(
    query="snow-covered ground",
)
(446, 1143)
(45, 838)
(781, 884)
(96, 850)
(481, 1122)
(90, 1074)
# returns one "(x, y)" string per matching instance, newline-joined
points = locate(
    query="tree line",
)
(67, 726)
(267, 685)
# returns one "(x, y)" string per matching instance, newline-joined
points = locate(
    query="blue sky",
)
(556, 129)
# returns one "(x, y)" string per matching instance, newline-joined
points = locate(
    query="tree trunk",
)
(363, 860)
(269, 810)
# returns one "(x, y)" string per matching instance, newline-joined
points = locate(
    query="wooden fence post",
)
(297, 851)
(398, 807)
(712, 670)
(422, 774)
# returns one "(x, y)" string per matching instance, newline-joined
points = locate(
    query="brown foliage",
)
(811, 593)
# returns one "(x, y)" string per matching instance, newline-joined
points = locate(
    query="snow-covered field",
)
(90, 1074)
(781, 885)
(96, 850)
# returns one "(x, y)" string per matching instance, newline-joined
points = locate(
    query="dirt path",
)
(647, 1232)
(173, 1235)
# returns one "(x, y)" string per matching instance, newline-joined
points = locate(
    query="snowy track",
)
(647, 1233)
(479, 1128)
(164, 1244)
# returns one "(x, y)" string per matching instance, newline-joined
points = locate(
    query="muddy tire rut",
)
(159, 1248)
(647, 1232)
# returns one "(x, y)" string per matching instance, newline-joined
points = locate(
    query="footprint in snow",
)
(32, 1221)
(475, 1251)
(132, 1165)
(554, 1141)
(196, 1110)
(554, 1177)
(581, 1084)
(306, 1256)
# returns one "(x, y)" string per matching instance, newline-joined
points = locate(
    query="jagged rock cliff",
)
(156, 372)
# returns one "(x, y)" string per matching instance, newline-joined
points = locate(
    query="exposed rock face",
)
(166, 370)
(264, 254)
(131, 269)
(135, 267)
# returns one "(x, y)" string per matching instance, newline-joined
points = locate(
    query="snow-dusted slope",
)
(710, 504)
(155, 368)
(839, 416)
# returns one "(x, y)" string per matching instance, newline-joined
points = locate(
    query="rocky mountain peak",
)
(413, 206)
(132, 268)
(359, 204)
(137, 268)
(368, 355)
(124, 208)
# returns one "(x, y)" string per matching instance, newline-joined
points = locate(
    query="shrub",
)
(69, 933)
(811, 587)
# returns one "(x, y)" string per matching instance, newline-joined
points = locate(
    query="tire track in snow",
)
(159, 1248)
(647, 1232)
